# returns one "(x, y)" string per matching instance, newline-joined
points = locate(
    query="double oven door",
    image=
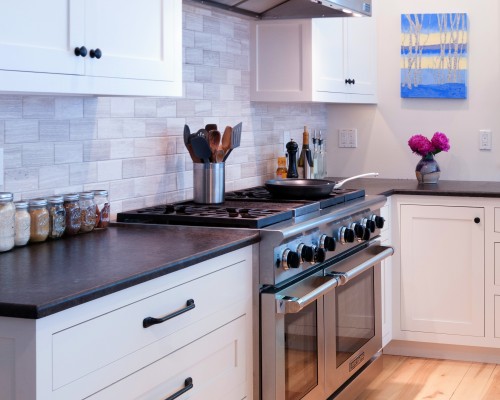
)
(320, 331)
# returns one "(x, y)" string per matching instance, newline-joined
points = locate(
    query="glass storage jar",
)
(87, 208)
(7, 221)
(57, 217)
(23, 223)
(73, 213)
(39, 228)
(102, 209)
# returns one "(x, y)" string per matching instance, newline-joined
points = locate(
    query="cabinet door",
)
(136, 38)
(442, 270)
(360, 55)
(329, 64)
(38, 36)
(343, 52)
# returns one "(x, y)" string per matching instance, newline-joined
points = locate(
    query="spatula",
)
(187, 137)
(201, 149)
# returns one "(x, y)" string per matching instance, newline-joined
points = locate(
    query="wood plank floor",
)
(408, 378)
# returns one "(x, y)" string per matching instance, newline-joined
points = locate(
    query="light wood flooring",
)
(408, 378)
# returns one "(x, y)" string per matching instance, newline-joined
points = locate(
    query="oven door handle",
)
(289, 304)
(362, 262)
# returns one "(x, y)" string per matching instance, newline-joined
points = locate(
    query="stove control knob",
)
(369, 224)
(359, 230)
(290, 259)
(320, 255)
(379, 221)
(327, 243)
(346, 235)
(306, 252)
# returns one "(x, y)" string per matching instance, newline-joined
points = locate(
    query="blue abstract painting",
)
(434, 51)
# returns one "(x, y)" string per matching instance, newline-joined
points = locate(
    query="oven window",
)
(355, 310)
(301, 352)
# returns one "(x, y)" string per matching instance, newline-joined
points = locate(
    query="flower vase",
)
(427, 170)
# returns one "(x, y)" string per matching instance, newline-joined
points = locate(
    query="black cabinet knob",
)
(80, 51)
(97, 53)
(477, 220)
(350, 81)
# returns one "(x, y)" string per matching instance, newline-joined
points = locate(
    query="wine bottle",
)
(305, 162)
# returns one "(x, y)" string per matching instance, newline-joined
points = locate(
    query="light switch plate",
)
(348, 137)
(485, 139)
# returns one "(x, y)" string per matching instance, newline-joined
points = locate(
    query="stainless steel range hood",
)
(291, 9)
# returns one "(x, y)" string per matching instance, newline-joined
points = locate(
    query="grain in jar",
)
(39, 224)
(102, 209)
(87, 208)
(22, 223)
(57, 217)
(73, 213)
(7, 221)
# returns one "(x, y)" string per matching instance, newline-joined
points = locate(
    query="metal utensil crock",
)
(208, 183)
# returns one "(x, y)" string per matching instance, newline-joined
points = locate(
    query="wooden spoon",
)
(214, 143)
(226, 139)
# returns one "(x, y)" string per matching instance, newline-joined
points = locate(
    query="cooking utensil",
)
(213, 139)
(306, 188)
(187, 138)
(210, 127)
(235, 140)
(201, 148)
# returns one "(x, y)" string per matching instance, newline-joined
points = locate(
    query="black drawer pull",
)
(188, 386)
(148, 321)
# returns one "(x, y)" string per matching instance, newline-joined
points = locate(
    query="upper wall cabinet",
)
(324, 60)
(112, 47)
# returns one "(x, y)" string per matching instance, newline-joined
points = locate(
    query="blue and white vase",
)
(427, 170)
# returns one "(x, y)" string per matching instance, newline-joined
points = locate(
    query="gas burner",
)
(247, 208)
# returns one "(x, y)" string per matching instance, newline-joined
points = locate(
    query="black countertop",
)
(41, 279)
(389, 187)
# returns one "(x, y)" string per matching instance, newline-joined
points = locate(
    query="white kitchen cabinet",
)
(101, 349)
(321, 60)
(140, 42)
(442, 269)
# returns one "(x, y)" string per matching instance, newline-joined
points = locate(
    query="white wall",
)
(384, 129)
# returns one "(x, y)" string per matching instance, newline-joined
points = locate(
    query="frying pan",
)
(307, 188)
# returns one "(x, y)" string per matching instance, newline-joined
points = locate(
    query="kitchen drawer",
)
(215, 363)
(116, 344)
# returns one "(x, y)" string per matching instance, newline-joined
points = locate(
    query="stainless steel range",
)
(319, 285)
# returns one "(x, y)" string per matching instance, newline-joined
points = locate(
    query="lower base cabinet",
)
(104, 350)
(212, 367)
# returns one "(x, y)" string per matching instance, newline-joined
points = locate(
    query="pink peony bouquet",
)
(422, 146)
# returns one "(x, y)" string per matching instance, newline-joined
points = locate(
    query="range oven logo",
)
(358, 360)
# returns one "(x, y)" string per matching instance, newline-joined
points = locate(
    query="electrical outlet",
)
(348, 137)
(485, 139)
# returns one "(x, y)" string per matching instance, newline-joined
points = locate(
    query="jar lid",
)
(21, 204)
(38, 203)
(100, 192)
(55, 199)
(6, 196)
(86, 195)
(71, 196)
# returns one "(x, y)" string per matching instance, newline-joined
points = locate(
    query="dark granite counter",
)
(389, 187)
(40, 279)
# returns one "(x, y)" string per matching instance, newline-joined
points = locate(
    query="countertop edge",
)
(34, 311)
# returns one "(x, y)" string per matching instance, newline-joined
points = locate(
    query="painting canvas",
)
(434, 51)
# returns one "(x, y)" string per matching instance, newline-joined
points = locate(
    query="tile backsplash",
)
(133, 146)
